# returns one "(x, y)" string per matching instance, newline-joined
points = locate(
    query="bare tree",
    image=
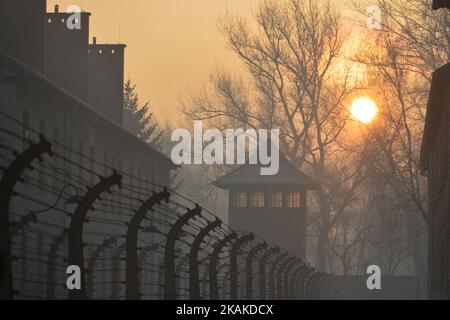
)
(413, 41)
(296, 80)
(400, 59)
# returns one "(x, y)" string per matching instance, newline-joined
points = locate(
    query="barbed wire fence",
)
(131, 237)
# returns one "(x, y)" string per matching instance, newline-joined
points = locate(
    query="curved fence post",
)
(213, 283)
(282, 269)
(169, 254)
(288, 278)
(194, 282)
(131, 264)
(304, 282)
(76, 256)
(7, 183)
(91, 263)
(249, 269)
(295, 290)
(115, 270)
(51, 265)
(237, 245)
(272, 274)
(262, 271)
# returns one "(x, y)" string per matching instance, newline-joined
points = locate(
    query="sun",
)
(364, 110)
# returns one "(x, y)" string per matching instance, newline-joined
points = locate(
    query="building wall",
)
(439, 200)
(285, 227)
(67, 53)
(22, 31)
(56, 109)
(61, 118)
(106, 73)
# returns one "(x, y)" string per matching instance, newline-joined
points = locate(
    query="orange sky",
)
(172, 45)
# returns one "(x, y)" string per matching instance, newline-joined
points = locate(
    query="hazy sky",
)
(172, 45)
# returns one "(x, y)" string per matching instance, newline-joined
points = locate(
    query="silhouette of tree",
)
(138, 119)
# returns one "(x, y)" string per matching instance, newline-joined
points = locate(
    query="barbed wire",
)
(108, 218)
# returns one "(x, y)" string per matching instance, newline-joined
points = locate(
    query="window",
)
(276, 200)
(257, 199)
(293, 200)
(240, 199)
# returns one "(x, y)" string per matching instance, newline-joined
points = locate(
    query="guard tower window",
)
(276, 200)
(293, 199)
(257, 199)
(240, 199)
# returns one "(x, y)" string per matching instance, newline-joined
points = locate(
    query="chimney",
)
(56, 8)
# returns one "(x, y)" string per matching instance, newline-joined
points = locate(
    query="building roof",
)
(30, 74)
(438, 100)
(250, 175)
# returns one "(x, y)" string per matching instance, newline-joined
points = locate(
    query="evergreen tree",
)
(138, 119)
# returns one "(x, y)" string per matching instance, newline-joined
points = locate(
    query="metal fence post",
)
(233, 263)
(169, 254)
(194, 282)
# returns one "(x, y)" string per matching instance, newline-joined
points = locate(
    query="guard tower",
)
(272, 207)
